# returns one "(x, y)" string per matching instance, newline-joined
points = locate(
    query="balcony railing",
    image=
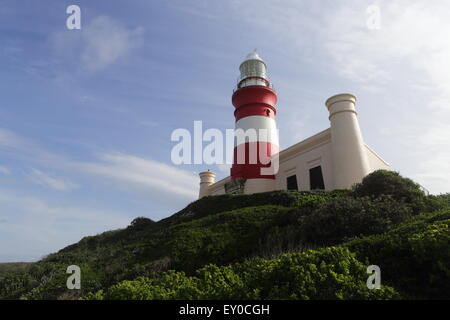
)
(241, 79)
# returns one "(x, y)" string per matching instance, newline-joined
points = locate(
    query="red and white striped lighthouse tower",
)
(254, 101)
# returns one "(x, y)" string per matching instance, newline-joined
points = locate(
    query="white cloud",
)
(47, 180)
(431, 155)
(411, 33)
(98, 45)
(411, 49)
(106, 41)
(132, 172)
(143, 173)
(9, 139)
(4, 170)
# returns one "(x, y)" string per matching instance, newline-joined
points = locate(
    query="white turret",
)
(253, 71)
(349, 155)
(207, 178)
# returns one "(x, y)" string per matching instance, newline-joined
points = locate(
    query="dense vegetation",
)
(13, 267)
(277, 245)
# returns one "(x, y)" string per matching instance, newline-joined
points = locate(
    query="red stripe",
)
(249, 158)
(255, 110)
(254, 95)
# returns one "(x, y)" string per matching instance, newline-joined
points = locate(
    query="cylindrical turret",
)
(206, 179)
(256, 130)
(253, 71)
(350, 163)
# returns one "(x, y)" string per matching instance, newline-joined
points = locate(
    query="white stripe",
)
(270, 134)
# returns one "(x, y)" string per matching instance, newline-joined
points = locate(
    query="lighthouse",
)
(334, 158)
(256, 133)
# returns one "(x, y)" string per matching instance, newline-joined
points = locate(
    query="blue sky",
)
(86, 115)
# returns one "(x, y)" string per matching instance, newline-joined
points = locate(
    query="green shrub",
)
(435, 203)
(344, 218)
(391, 183)
(141, 223)
(331, 273)
(220, 283)
(172, 285)
(222, 238)
(52, 282)
(215, 204)
(415, 257)
(384, 182)
(445, 198)
(15, 285)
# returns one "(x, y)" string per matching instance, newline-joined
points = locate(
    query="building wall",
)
(300, 164)
(218, 188)
(300, 158)
(303, 156)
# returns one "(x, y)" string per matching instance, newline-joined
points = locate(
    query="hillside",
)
(277, 245)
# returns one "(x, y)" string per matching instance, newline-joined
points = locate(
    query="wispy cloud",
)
(9, 139)
(411, 33)
(133, 173)
(98, 45)
(106, 41)
(433, 167)
(410, 49)
(4, 170)
(44, 179)
(144, 173)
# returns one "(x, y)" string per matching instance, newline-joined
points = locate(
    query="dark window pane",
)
(292, 183)
(316, 178)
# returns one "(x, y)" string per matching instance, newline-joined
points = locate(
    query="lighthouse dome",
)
(254, 56)
(253, 71)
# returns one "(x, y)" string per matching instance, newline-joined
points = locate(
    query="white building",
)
(335, 158)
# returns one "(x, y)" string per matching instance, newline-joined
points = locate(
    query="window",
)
(292, 183)
(316, 178)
